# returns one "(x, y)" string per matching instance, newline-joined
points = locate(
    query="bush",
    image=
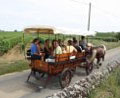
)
(107, 39)
(118, 36)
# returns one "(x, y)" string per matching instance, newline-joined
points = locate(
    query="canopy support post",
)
(23, 41)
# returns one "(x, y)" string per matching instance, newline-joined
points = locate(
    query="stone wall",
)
(81, 88)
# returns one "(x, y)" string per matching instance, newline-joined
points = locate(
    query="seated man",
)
(34, 50)
(57, 50)
(70, 49)
(83, 43)
(75, 44)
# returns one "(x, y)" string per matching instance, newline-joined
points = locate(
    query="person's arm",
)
(74, 49)
(38, 47)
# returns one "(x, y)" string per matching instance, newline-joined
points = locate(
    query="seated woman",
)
(57, 49)
(47, 50)
(35, 54)
(70, 47)
(40, 50)
(39, 47)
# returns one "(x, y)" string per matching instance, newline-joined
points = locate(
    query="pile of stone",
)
(81, 88)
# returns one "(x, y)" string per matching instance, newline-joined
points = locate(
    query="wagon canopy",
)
(53, 30)
(42, 30)
(82, 33)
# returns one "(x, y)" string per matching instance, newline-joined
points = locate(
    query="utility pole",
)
(89, 16)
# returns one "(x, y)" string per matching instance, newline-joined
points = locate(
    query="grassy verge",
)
(109, 45)
(109, 88)
(13, 67)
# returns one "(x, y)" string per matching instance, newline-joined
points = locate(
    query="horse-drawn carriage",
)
(63, 66)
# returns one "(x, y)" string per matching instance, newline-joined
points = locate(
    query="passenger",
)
(39, 47)
(53, 45)
(75, 44)
(70, 47)
(57, 49)
(34, 50)
(60, 42)
(74, 39)
(83, 43)
(63, 49)
(47, 50)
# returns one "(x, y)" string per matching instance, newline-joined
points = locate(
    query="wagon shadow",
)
(80, 72)
(52, 84)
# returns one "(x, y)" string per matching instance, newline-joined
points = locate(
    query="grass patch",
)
(109, 88)
(109, 45)
(14, 67)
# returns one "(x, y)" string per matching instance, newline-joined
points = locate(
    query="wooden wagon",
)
(63, 66)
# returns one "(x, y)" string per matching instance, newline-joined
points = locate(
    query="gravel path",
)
(14, 85)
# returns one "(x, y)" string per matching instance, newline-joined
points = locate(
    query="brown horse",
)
(100, 55)
(96, 52)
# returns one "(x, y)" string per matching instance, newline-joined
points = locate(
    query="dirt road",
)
(14, 85)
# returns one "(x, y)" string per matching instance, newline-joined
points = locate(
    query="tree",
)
(15, 30)
(118, 35)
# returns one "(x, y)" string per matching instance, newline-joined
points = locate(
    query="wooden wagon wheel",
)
(65, 78)
(73, 70)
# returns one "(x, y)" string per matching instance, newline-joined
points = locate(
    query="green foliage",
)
(109, 45)
(109, 88)
(107, 39)
(8, 40)
(118, 78)
(118, 35)
(14, 67)
(105, 34)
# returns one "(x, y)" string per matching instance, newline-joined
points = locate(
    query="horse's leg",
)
(103, 58)
(98, 61)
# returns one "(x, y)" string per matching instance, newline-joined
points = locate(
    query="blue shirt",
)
(34, 49)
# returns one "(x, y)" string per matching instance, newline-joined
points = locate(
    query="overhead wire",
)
(102, 10)
(80, 2)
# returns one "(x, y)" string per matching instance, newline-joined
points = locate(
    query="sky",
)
(64, 14)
